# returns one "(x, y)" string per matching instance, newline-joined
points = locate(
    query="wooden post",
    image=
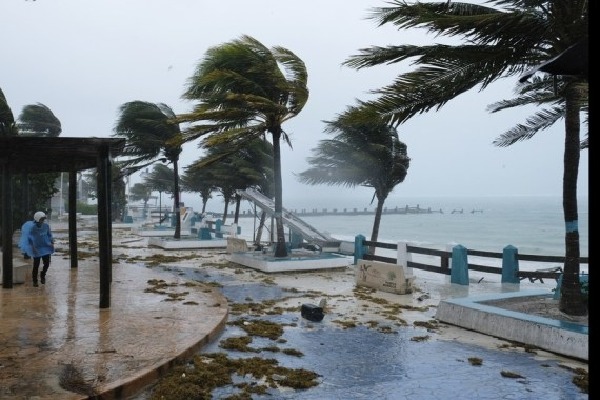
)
(403, 257)
(7, 227)
(104, 226)
(73, 218)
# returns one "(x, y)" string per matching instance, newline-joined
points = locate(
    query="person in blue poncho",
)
(38, 243)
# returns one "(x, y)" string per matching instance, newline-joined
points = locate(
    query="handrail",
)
(309, 232)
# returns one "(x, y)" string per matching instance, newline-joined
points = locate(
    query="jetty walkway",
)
(315, 212)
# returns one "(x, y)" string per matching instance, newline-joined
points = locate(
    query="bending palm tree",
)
(498, 43)
(245, 90)
(151, 133)
(38, 120)
(250, 166)
(364, 152)
(198, 181)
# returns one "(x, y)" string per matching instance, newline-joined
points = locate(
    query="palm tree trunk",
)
(176, 199)
(280, 249)
(376, 223)
(226, 210)
(571, 299)
(238, 202)
(261, 225)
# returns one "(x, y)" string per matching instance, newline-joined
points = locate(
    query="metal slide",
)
(308, 232)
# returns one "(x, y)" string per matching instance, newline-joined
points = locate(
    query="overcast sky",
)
(84, 58)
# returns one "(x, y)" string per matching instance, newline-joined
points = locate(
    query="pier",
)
(316, 212)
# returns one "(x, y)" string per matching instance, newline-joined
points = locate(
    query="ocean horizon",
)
(533, 224)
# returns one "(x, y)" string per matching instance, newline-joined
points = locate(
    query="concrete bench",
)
(21, 271)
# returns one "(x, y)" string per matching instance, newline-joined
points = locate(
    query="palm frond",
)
(539, 121)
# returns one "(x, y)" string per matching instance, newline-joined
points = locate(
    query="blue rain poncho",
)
(24, 232)
(36, 240)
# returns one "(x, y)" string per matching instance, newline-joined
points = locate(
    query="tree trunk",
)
(226, 210)
(238, 202)
(176, 200)
(376, 223)
(280, 249)
(571, 299)
(261, 225)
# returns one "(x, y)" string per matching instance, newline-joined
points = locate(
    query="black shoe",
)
(35, 284)
(43, 280)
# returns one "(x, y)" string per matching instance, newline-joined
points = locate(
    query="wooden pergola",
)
(35, 155)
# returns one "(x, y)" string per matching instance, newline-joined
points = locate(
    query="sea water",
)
(534, 225)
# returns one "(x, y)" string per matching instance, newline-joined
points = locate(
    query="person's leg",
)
(46, 261)
(34, 272)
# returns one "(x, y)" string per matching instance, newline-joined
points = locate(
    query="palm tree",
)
(253, 169)
(497, 43)
(198, 180)
(142, 192)
(151, 133)
(31, 192)
(365, 151)
(8, 127)
(38, 120)
(161, 181)
(228, 172)
(245, 90)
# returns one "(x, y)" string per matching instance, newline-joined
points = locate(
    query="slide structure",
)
(309, 233)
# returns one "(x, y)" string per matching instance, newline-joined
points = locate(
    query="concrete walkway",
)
(55, 340)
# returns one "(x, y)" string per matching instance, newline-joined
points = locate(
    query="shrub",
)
(87, 209)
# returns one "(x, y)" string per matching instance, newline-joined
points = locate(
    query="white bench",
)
(21, 271)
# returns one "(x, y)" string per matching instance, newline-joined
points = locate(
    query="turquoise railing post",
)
(460, 267)
(204, 233)
(359, 248)
(510, 265)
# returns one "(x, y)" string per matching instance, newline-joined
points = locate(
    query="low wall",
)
(382, 276)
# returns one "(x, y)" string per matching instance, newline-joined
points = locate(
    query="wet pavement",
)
(55, 342)
(373, 363)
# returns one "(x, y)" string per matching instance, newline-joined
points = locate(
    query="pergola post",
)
(104, 226)
(7, 227)
(73, 218)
